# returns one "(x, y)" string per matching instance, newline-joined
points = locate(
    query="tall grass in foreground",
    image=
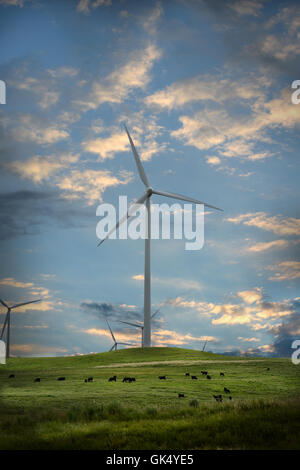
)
(257, 424)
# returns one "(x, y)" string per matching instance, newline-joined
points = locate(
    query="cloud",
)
(205, 88)
(29, 129)
(285, 333)
(26, 212)
(152, 19)
(246, 7)
(36, 168)
(107, 147)
(279, 225)
(13, 3)
(249, 340)
(84, 6)
(250, 309)
(275, 244)
(116, 87)
(251, 296)
(89, 185)
(169, 337)
(11, 282)
(285, 271)
(177, 282)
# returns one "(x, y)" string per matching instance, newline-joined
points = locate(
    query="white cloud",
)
(121, 82)
(279, 225)
(285, 271)
(178, 282)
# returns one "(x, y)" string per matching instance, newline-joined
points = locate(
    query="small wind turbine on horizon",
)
(145, 198)
(7, 321)
(204, 346)
(116, 343)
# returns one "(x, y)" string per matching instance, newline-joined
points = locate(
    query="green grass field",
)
(264, 412)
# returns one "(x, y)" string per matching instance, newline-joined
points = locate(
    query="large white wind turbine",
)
(145, 198)
(116, 343)
(7, 321)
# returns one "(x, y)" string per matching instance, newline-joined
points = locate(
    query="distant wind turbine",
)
(7, 321)
(145, 198)
(116, 343)
(138, 325)
(204, 346)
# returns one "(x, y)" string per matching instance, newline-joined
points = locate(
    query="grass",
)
(147, 414)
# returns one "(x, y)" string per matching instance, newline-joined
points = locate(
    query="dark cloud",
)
(115, 312)
(25, 212)
(286, 333)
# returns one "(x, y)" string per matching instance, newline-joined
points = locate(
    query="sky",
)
(204, 88)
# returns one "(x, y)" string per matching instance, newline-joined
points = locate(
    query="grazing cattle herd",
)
(218, 398)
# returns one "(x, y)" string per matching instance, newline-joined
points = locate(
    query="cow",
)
(187, 374)
(37, 379)
(11, 376)
(203, 372)
(230, 398)
(162, 377)
(194, 377)
(218, 398)
(85, 380)
(61, 378)
(226, 390)
(222, 374)
(268, 368)
(208, 377)
(180, 395)
(90, 379)
(113, 379)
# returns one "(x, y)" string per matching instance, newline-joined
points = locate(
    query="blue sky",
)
(205, 90)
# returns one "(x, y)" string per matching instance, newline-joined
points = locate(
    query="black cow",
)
(208, 377)
(113, 379)
(203, 372)
(268, 368)
(90, 379)
(162, 377)
(218, 398)
(85, 380)
(222, 374)
(194, 377)
(37, 379)
(230, 398)
(226, 390)
(11, 376)
(61, 378)
(187, 374)
(180, 395)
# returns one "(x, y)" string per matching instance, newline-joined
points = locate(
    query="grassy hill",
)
(148, 413)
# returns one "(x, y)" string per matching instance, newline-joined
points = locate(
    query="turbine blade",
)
(132, 324)
(155, 313)
(112, 348)
(111, 332)
(3, 303)
(138, 161)
(25, 303)
(184, 198)
(128, 214)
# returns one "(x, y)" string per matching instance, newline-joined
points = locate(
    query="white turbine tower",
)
(116, 343)
(7, 321)
(145, 198)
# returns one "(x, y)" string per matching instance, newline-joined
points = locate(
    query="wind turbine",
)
(137, 325)
(7, 321)
(145, 198)
(115, 345)
(204, 346)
